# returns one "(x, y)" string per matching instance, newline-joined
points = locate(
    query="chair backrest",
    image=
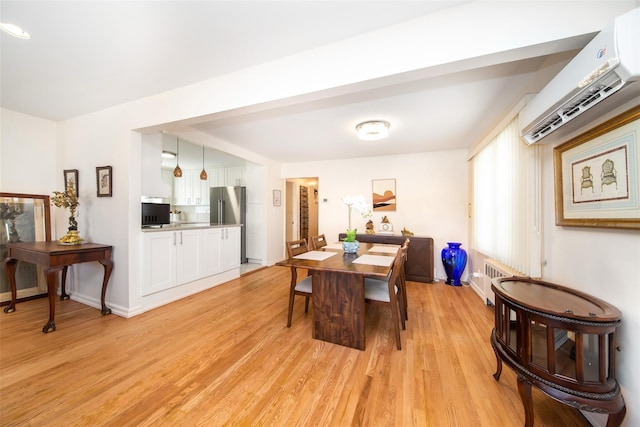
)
(318, 241)
(297, 247)
(398, 265)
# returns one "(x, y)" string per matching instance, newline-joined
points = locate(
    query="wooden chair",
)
(318, 241)
(297, 247)
(402, 281)
(387, 292)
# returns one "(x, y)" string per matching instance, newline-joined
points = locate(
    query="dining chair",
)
(318, 241)
(303, 288)
(387, 292)
(402, 280)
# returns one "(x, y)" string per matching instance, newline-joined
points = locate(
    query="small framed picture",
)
(71, 180)
(277, 198)
(103, 180)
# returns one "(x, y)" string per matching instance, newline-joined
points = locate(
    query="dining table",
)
(338, 288)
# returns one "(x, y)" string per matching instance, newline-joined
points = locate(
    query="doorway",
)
(301, 202)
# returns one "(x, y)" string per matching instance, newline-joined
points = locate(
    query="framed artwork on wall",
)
(597, 182)
(104, 180)
(384, 195)
(71, 180)
(23, 218)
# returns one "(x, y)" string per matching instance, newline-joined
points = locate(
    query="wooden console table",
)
(559, 340)
(55, 257)
(419, 264)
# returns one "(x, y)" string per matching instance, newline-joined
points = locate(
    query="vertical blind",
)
(506, 201)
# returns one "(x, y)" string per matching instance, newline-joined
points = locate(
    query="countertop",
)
(185, 225)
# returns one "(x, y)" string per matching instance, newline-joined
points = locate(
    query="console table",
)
(559, 340)
(419, 264)
(56, 257)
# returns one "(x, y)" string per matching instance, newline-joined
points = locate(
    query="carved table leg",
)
(524, 389)
(616, 419)
(108, 266)
(498, 367)
(63, 292)
(51, 273)
(10, 267)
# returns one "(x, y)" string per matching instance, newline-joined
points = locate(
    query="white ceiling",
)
(86, 56)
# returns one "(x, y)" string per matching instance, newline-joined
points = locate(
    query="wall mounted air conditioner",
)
(608, 64)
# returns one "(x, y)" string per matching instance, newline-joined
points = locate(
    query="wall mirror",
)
(23, 218)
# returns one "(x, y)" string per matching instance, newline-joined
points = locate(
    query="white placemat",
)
(333, 246)
(383, 261)
(385, 249)
(315, 255)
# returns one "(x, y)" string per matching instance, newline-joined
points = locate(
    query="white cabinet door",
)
(235, 175)
(182, 189)
(159, 269)
(230, 248)
(211, 251)
(188, 264)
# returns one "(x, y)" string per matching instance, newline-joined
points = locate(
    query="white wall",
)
(28, 154)
(431, 189)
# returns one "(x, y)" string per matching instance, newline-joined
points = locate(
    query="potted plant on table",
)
(350, 244)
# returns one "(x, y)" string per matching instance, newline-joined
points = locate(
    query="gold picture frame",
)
(23, 218)
(596, 175)
(384, 195)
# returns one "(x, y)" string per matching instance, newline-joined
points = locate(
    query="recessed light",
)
(15, 31)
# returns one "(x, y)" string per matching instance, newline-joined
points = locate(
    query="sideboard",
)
(559, 340)
(419, 264)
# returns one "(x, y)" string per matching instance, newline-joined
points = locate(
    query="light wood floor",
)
(226, 357)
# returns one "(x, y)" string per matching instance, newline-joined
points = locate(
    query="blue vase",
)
(454, 259)
(351, 247)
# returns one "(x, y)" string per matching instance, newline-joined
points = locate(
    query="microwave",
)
(155, 214)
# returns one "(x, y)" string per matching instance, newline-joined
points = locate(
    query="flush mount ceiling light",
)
(168, 154)
(15, 31)
(373, 130)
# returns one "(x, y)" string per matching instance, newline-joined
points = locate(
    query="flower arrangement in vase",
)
(350, 244)
(68, 199)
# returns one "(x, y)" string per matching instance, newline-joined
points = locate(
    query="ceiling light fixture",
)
(203, 174)
(15, 31)
(373, 130)
(168, 154)
(177, 172)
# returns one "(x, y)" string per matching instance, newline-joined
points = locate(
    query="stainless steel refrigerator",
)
(228, 205)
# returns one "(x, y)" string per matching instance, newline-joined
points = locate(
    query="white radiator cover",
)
(493, 269)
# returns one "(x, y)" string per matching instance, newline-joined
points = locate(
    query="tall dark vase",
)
(454, 259)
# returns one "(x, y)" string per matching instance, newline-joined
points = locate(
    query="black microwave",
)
(155, 214)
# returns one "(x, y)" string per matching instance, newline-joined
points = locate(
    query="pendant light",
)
(177, 172)
(203, 174)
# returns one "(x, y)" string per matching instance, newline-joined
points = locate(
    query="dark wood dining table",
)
(338, 291)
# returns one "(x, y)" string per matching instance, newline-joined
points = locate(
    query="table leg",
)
(338, 308)
(63, 292)
(51, 273)
(524, 389)
(108, 267)
(10, 267)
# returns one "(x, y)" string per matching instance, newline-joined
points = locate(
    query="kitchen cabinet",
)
(171, 258)
(175, 257)
(228, 176)
(190, 189)
(230, 248)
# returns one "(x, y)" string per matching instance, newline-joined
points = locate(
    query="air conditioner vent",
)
(591, 97)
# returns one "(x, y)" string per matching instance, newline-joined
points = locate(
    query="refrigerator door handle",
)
(220, 211)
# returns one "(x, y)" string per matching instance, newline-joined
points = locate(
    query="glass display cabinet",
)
(559, 340)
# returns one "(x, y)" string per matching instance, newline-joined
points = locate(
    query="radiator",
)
(493, 269)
